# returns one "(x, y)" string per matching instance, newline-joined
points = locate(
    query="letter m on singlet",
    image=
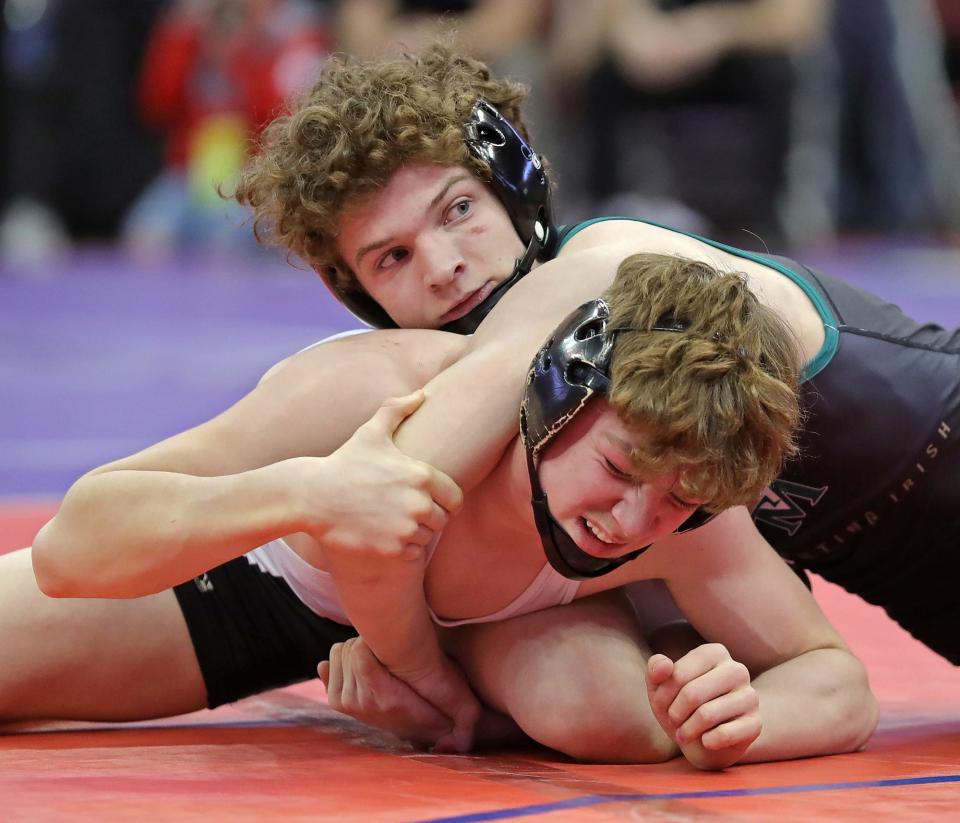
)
(782, 505)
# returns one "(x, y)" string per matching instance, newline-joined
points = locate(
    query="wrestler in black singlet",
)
(872, 503)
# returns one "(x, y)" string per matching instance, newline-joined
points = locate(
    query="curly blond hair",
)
(718, 396)
(348, 135)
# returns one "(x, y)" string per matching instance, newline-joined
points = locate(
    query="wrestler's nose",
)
(636, 512)
(442, 263)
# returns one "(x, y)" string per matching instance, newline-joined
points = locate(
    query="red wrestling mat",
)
(286, 756)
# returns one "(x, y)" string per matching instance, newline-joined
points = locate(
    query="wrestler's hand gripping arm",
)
(266, 468)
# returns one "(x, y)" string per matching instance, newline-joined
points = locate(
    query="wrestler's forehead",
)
(412, 185)
(405, 199)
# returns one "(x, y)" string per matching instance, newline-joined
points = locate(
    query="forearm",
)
(385, 602)
(389, 608)
(455, 430)
(128, 533)
(815, 704)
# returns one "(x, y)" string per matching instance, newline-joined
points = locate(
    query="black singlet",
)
(872, 503)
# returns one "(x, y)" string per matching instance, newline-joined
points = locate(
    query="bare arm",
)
(472, 408)
(360, 686)
(276, 465)
(470, 415)
(128, 532)
(386, 604)
(263, 469)
(814, 697)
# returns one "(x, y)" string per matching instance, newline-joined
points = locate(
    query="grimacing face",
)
(431, 245)
(595, 494)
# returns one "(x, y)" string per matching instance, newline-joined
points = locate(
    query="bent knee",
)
(587, 698)
(604, 716)
(595, 735)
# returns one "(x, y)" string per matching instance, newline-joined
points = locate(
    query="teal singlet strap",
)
(831, 336)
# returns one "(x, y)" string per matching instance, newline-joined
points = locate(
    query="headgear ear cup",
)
(516, 173)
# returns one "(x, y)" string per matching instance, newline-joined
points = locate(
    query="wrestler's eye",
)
(680, 503)
(391, 257)
(459, 209)
(616, 471)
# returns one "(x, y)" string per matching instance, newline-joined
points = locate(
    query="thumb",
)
(659, 669)
(395, 410)
(323, 670)
(459, 740)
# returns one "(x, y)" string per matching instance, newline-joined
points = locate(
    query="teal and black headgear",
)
(572, 368)
(520, 182)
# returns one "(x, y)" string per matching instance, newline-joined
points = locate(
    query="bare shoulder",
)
(626, 237)
(632, 236)
(321, 395)
(307, 405)
(587, 266)
(411, 356)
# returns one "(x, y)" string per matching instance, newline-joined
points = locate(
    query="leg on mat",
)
(78, 659)
(572, 677)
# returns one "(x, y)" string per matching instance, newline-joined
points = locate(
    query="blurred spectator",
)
(215, 72)
(74, 154)
(949, 12)
(901, 142)
(687, 103)
(876, 143)
(488, 29)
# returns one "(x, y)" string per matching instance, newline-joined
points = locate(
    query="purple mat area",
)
(102, 357)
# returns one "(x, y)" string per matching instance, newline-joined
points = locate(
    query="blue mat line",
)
(596, 800)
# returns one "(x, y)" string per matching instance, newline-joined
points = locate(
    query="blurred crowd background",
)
(770, 123)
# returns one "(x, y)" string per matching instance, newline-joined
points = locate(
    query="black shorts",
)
(251, 633)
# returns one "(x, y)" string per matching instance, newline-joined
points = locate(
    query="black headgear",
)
(572, 367)
(519, 181)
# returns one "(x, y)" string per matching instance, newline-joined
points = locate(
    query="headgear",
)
(572, 367)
